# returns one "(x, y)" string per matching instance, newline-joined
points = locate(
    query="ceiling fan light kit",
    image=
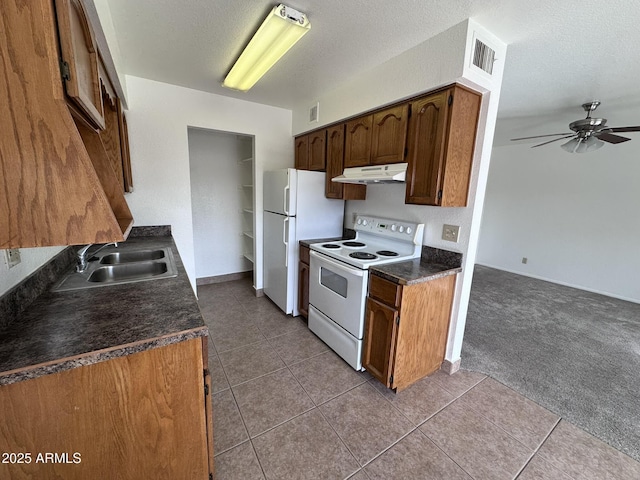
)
(589, 133)
(282, 28)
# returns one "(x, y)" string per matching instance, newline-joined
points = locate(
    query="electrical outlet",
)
(450, 232)
(524, 260)
(12, 257)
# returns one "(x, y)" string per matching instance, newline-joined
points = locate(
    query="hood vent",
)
(393, 173)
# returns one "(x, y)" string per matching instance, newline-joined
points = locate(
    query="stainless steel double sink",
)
(126, 265)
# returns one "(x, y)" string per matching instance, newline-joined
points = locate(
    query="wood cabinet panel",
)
(335, 167)
(302, 152)
(78, 49)
(379, 340)
(124, 145)
(389, 135)
(317, 150)
(424, 324)
(137, 416)
(358, 142)
(304, 254)
(111, 134)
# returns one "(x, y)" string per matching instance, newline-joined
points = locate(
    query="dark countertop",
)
(413, 271)
(434, 263)
(63, 330)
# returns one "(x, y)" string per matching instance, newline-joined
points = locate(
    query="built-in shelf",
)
(248, 234)
(247, 210)
(246, 160)
(247, 186)
(249, 257)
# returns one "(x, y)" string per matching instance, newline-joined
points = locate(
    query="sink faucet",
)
(82, 262)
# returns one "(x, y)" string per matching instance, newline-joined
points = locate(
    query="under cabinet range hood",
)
(392, 173)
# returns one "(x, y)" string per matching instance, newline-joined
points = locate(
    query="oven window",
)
(333, 281)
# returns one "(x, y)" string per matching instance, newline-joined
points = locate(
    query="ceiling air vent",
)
(483, 57)
(313, 113)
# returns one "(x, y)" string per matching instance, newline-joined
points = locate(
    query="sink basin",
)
(133, 256)
(122, 265)
(127, 271)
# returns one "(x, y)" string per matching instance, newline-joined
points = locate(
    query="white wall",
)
(159, 115)
(439, 61)
(217, 200)
(31, 260)
(573, 216)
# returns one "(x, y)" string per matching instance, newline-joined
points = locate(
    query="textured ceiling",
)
(560, 54)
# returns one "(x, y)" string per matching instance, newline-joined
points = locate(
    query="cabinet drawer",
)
(304, 254)
(385, 291)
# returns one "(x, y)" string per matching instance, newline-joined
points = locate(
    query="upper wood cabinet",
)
(389, 135)
(57, 189)
(335, 166)
(358, 142)
(310, 151)
(377, 139)
(124, 144)
(442, 135)
(302, 152)
(79, 60)
(317, 150)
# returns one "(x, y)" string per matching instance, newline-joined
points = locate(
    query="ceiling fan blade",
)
(623, 129)
(542, 136)
(611, 138)
(554, 140)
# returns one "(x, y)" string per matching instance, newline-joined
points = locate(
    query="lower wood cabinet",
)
(406, 329)
(144, 415)
(303, 281)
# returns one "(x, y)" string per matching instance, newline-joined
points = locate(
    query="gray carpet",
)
(574, 352)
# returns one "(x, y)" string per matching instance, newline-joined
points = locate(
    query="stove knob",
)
(393, 227)
(364, 222)
(409, 230)
(401, 229)
(359, 221)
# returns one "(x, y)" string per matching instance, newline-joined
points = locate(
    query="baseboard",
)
(229, 277)
(564, 284)
(450, 367)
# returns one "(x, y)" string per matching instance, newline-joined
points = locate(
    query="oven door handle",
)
(348, 269)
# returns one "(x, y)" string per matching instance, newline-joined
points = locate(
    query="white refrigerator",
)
(295, 209)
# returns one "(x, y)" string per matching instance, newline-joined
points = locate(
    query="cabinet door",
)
(358, 142)
(111, 134)
(427, 132)
(124, 146)
(389, 135)
(317, 151)
(303, 289)
(78, 48)
(335, 160)
(379, 340)
(302, 152)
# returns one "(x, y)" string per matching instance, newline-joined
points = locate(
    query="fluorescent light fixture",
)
(282, 28)
(582, 145)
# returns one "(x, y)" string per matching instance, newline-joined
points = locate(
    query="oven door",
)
(338, 290)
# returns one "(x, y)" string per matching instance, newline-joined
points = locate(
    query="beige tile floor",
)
(286, 407)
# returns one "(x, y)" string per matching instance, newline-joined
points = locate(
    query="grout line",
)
(537, 449)
(443, 452)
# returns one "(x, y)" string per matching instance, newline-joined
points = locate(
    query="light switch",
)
(12, 257)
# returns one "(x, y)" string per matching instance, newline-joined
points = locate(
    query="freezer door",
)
(280, 267)
(280, 191)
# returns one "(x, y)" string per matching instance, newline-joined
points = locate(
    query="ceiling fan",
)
(587, 134)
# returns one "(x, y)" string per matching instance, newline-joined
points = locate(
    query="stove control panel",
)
(387, 227)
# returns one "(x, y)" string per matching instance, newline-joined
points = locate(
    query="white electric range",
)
(339, 279)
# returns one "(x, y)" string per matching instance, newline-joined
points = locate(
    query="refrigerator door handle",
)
(285, 196)
(285, 236)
